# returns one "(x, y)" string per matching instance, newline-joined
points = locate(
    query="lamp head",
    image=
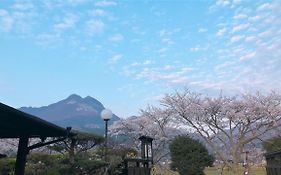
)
(106, 114)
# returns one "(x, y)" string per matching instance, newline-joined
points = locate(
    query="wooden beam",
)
(21, 156)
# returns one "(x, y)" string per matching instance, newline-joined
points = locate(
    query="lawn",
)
(254, 171)
(212, 171)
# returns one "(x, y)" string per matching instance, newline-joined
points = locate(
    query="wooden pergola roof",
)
(16, 124)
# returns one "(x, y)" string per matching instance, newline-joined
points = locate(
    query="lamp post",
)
(246, 163)
(106, 115)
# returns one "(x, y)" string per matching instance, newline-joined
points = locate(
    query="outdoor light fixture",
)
(106, 115)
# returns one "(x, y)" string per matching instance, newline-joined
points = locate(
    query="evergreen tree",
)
(189, 156)
(272, 144)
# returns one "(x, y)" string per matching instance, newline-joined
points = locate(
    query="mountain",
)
(75, 111)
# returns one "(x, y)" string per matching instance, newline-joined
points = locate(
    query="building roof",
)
(16, 124)
(146, 138)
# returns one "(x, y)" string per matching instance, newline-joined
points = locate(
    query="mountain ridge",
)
(75, 111)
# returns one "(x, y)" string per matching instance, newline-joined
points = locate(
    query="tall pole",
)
(246, 171)
(106, 130)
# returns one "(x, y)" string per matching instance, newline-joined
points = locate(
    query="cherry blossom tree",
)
(227, 124)
(153, 122)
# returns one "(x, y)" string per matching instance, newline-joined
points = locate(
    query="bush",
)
(189, 156)
(272, 144)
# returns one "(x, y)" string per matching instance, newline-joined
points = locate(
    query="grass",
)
(253, 170)
(212, 171)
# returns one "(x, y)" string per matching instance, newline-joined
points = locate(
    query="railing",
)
(138, 171)
(138, 166)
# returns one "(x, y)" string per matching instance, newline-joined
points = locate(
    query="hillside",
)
(75, 111)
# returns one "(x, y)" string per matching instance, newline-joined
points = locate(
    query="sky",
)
(129, 53)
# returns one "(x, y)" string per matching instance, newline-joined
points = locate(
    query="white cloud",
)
(236, 38)
(199, 48)
(167, 41)
(240, 16)
(236, 1)
(95, 26)
(248, 56)
(265, 34)
(116, 38)
(166, 33)
(265, 6)
(194, 49)
(146, 62)
(201, 30)
(222, 2)
(219, 3)
(48, 39)
(115, 58)
(250, 38)
(221, 32)
(135, 64)
(255, 18)
(162, 50)
(23, 5)
(240, 27)
(162, 32)
(98, 12)
(75, 2)
(172, 78)
(105, 3)
(68, 21)
(6, 21)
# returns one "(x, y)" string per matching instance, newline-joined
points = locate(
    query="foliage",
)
(116, 159)
(80, 142)
(189, 156)
(42, 164)
(7, 166)
(272, 144)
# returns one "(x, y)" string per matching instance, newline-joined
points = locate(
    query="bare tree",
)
(227, 124)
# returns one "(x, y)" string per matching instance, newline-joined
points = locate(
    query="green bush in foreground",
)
(189, 156)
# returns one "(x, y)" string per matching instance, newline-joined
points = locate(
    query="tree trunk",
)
(72, 151)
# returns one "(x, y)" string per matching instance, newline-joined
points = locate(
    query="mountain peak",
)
(74, 97)
(89, 97)
(92, 101)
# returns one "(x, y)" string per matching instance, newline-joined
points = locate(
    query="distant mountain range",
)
(75, 111)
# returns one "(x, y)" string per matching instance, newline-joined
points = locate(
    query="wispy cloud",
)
(6, 21)
(221, 32)
(162, 50)
(105, 3)
(201, 30)
(265, 6)
(240, 27)
(48, 40)
(98, 12)
(236, 38)
(240, 16)
(171, 78)
(23, 5)
(116, 38)
(115, 58)
(147, 62)
(67, 22)
(95, 26)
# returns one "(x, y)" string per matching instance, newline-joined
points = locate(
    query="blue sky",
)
(129, 53)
